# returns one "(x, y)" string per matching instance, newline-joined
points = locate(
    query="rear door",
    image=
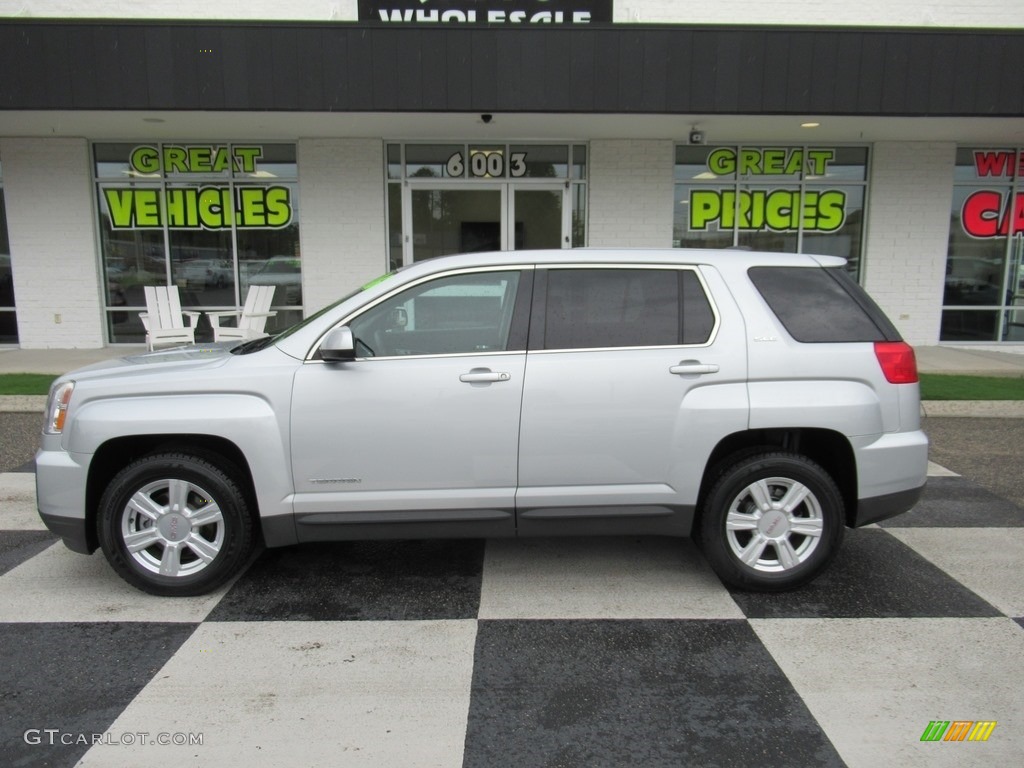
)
(633, 375)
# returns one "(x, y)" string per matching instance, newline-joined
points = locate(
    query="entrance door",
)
(469, 219)
(539, 216)
(455, 220)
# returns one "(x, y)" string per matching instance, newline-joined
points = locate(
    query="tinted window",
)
(821, 305)
(451, 315)
(589, 308)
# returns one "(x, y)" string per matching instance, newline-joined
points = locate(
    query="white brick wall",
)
(341, 216)
(48, 193)
(943, 13)
(631, 193)
(911, 190)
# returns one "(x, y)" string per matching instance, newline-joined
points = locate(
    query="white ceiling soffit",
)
(289, 126)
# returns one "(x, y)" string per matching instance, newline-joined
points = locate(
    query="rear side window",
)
(822, 305)
(606, 307)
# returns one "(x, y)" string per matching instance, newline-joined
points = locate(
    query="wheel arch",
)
(829, 449)
(115, 454)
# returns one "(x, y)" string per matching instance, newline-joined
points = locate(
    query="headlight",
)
(57, 407)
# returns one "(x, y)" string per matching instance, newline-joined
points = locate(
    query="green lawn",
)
(25, 383)
(934, 386)
(940, 386)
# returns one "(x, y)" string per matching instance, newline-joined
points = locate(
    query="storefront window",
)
(8, 318)
(805, 199)
(983, 298)
(211, 219)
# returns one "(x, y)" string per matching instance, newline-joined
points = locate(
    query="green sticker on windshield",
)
(377, 281)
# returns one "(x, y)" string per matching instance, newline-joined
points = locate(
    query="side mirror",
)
(339, 346)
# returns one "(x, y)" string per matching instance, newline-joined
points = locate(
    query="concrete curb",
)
(22, 403)
(990, 409)
(993, 409)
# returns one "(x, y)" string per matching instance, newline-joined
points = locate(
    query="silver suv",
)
(760, 402)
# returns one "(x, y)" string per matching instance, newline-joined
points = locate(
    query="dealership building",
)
(316, 145)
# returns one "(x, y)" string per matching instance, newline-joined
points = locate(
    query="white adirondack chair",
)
(164, 321)
(251, 320)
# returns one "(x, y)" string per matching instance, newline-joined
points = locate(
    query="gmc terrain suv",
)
(760, 402)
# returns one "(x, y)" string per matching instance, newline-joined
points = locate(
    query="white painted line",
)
(18, 502)
(875, 684)
(61, 585)
(937, 470)
(283, 693)
(985, 560)
(608, 578)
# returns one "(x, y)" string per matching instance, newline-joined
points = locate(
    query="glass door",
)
(539, 216)
(455, 220)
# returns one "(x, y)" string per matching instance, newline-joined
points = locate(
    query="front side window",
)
(457, 314)
(600, 308)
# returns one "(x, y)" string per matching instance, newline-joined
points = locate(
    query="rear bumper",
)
(881, 507)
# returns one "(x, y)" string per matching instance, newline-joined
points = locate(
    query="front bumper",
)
(60, 498)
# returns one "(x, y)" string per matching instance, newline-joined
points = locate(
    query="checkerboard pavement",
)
(573, 652)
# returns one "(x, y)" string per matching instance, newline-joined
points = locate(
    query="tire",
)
(771, 522)
(158, 548)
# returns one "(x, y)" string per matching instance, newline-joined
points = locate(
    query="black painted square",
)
(359, 581)
(954, 502)
(874, 576)
(18, 546)
(634, 693)
(75, 678)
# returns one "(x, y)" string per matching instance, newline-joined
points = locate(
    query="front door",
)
(423, 427)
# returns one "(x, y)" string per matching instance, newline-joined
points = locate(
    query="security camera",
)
(696, 137)
(486, 118)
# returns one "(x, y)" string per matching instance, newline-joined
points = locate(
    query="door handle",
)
(484, 376)
(692, 368)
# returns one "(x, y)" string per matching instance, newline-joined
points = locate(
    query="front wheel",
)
(175, 524)
(771, 522)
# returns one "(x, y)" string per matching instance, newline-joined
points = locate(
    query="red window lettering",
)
(985, 215)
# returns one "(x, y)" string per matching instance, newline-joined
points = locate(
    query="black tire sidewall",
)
(712, 527)
(238, 536)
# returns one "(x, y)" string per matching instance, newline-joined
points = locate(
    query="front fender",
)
(246, 420)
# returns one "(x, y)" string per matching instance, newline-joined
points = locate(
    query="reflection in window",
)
(451, 315)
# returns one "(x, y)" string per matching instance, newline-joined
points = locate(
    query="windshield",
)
(264, 341)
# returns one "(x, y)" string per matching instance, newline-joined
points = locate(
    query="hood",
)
(163, 361)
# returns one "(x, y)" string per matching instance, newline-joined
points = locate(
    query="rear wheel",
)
(771, 522)
(175, 524)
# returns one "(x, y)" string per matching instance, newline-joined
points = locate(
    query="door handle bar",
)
(478, 377)
(691, 367)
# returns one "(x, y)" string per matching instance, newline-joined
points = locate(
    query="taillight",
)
(897, 360)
